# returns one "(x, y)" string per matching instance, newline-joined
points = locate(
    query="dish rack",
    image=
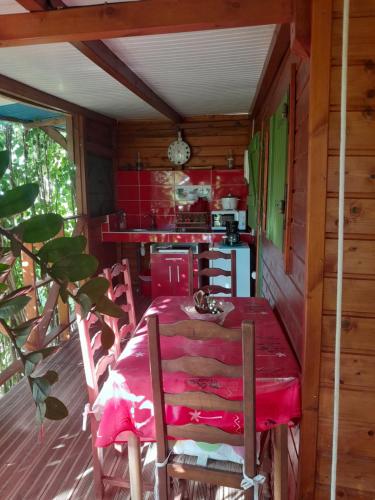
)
(192, 221)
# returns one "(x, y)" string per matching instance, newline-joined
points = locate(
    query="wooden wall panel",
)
(358, 295)
(358, 334)
(355, 439)
(359, 216)
(359, 257)
(211, 140)
(359, 178)
(357, 371)
(356, 460)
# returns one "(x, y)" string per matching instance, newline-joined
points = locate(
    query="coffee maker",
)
(232, 237)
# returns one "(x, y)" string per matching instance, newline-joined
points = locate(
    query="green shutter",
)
(277, 166)
(254, 158)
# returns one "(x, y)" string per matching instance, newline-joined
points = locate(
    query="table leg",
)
(135, 467)
(280, 475)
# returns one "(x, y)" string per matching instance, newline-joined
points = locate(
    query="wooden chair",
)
(211, 272)
(120, 291)
(168, 466)
(97, 362)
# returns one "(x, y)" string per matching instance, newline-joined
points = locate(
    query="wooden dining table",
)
(125, 406)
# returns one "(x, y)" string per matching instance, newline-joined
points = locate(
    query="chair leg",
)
(97, 459)
(164, 490)
(135, 467)
(280, 446)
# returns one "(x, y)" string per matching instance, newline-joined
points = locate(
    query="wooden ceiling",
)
(51, 21)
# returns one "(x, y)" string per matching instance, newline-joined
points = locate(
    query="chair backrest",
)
(120, 291)
(200, 400)
(97, 359)
(204, 271)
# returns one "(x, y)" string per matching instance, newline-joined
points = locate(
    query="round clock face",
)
(179, 152)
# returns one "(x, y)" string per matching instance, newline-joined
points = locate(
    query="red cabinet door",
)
(170, 274)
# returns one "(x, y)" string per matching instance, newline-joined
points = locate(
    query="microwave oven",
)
(220, 217)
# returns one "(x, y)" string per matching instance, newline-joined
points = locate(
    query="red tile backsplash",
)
(141, 193)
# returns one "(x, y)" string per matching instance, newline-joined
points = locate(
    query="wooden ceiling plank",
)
(103, 57)
(25, 93)
(139, 18)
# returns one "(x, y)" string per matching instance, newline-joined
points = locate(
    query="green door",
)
(278, 158)
(254, 160)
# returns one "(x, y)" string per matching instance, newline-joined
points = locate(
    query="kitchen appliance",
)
(229, 202)
(243, 267)
(219, 219)
(232, 235)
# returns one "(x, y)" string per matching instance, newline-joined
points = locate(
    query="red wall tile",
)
(152, 191)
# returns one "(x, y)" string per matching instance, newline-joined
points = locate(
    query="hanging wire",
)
(340, 244)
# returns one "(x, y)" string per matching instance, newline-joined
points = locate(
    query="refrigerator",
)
(243, 268)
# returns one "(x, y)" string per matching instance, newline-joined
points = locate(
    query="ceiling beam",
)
(34, 5)
(279, 46)
(103, 57)
(148, 17)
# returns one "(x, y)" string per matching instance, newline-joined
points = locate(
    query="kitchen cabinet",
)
(170, 274)
(170, 268)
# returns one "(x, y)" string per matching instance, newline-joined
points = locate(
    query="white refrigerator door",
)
(242, 269)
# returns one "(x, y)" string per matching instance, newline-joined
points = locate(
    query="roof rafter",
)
(103, 57)
(139, 18)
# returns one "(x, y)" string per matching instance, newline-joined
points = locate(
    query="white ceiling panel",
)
(207, 72)
(10, 7)
(63, 71)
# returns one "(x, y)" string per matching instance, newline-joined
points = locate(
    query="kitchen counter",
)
(168, 236)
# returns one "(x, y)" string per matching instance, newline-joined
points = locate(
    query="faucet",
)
(152, 219)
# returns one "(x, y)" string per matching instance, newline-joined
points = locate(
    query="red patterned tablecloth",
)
(125, 401)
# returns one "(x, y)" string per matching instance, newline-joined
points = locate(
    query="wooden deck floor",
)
(59, 467)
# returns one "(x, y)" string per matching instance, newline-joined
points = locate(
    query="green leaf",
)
(85, 303)
(55, 409)
(41, 389)
(107, 336)
(23, 331)
(95, 288)
(40, 228)
(11, 307)
(4, 161)
(40, 411)
(75, 267)
(18, 199)
(51, 376)
(106, 306)
(3, 287)
(59, 248)
(32, 360)
(47, 351)
(3, 268)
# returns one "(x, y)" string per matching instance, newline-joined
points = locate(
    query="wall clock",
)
(179, 151)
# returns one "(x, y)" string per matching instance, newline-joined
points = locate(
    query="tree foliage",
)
(26, 219)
